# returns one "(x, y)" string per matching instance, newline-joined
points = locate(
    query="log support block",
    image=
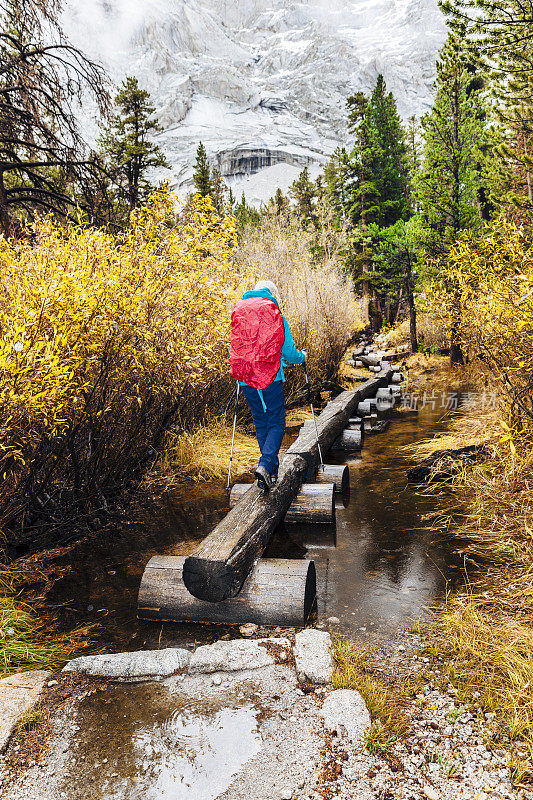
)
(278, 591)
(313, 504)
(349, 441)
(338, 474)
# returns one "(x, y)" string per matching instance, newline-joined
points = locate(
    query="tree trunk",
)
(456, 352)
(5, 220)
(412, 308)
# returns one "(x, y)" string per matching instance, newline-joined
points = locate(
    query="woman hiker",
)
(261, 345)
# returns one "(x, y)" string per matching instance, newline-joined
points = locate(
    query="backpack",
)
(257, 336)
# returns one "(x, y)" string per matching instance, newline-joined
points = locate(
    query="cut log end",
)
(349, 441)
(210, 580)
(276, 592)
(338, 474)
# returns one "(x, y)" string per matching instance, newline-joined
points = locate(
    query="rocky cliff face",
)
(263, 83)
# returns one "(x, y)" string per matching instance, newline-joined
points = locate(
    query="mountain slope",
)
(262, 83)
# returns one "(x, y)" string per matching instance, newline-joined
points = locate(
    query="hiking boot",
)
(264, 479)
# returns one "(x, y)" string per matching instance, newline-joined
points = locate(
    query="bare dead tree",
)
(44, 162)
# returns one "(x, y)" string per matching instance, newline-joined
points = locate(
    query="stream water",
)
(385, 571)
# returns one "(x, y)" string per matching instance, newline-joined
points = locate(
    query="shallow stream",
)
(384, 573)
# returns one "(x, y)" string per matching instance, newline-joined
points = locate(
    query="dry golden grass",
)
(203, 455)
(386, 707)
(485, 631)
(479, 428)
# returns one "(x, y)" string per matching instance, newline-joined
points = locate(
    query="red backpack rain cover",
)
(257, 336)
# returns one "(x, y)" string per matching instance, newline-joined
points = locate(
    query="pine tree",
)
(202, 172)
(128, 146)
(218, 191)
(394, 260)
(303, 190)
(448, 186)
(279, 204)
(378, 162)
(453, 132)
(499, 38)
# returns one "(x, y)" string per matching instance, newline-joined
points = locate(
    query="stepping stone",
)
(142, 665)
(18, 694)
(314, 662)
(345, 713)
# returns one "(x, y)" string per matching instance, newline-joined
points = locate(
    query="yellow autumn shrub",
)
(104, 341)
(486, 285)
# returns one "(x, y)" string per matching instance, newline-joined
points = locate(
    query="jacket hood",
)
(260, 293)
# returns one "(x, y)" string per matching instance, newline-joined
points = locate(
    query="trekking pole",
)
(232, 440)
(313, 413)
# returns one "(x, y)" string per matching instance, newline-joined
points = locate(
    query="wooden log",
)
(369, 360)
(313, 503)
(348, 441)
(218, 567)
(338, 474)
(278, 591)
(355, 424)
(365, 406)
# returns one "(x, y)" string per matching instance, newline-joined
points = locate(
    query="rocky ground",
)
(249, 718)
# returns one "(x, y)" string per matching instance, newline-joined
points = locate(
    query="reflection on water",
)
(143, 742)
(386, 568)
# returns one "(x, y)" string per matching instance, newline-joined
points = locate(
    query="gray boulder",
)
(233, 655)
(18, 694)
(345, 713)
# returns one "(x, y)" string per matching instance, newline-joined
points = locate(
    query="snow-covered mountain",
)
(263, 83)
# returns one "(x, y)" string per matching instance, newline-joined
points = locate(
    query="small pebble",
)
(248, 629)
(216, 680)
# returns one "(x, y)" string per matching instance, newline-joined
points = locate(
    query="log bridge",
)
(223, 579)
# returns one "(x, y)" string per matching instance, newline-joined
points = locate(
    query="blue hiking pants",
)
(269, 424)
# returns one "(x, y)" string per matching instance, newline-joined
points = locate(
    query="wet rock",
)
(137, 666)
(312, 655)
(345, 713)
(237, 654)
(248, 629)
(442, 464)
(18, 693)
